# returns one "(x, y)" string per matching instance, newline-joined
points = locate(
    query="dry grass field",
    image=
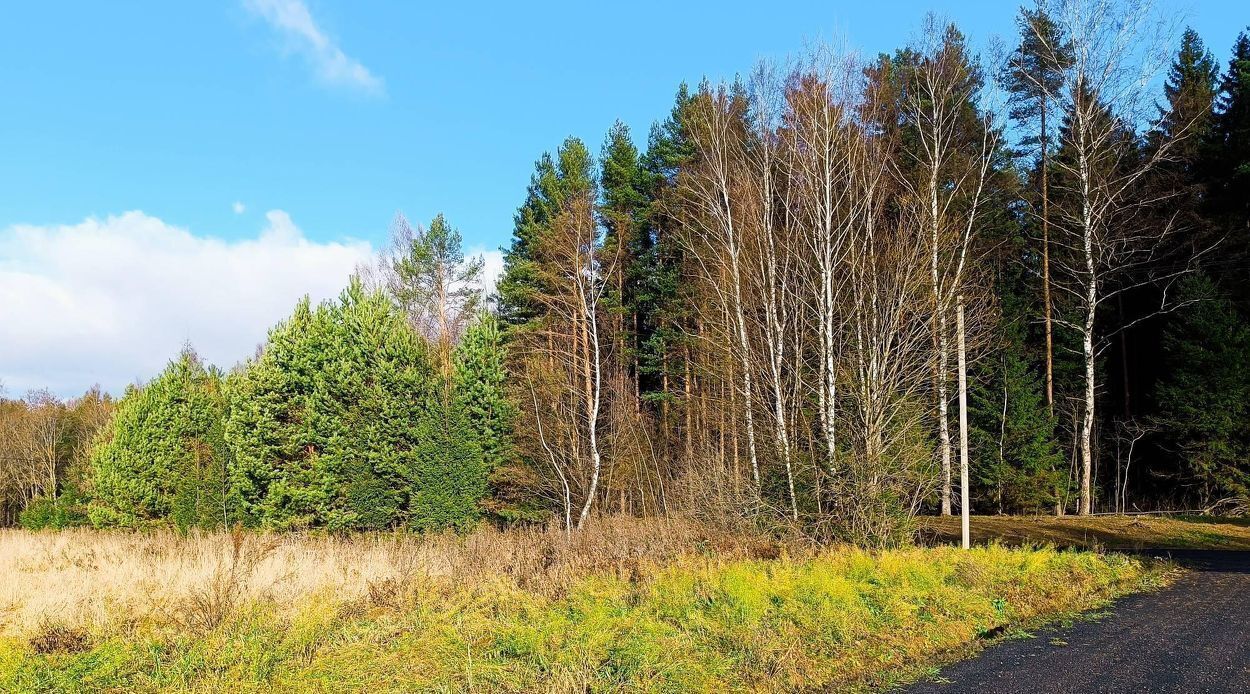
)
(626, 605)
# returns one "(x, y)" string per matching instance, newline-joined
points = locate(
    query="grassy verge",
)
(700, 619)
(1112, 532)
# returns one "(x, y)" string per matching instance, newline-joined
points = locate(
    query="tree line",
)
(764, 315)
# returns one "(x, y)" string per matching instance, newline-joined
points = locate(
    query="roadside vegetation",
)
(621, 606)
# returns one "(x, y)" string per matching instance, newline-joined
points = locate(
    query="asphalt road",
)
(1191, 637)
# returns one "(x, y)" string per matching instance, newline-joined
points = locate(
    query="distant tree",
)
(163, 458)
(425, 271)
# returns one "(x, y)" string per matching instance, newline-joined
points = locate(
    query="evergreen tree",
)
(436, 285)
(1186, 127)
(1190, 92)
(1205, 398)
(554, 182)
(1033, 77)
(664, 313)
(627, 245)
(479, 381)
(342, 423)
(1016, 460)
(1228, 170)
(163, 459)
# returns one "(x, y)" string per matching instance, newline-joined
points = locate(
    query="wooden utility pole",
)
(963, 426)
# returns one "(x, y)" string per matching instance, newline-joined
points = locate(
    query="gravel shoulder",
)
(1193, 636)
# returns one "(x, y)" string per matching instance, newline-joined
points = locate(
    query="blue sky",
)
(180, 109)
(336, 114)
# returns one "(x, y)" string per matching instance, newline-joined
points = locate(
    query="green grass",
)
(841, 619)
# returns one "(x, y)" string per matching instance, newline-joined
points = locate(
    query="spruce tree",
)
(1228, 170)
(1190, 93)
(1017, 463)
(1205, 398)
(664, 313)
(627, 245)
(162, 459)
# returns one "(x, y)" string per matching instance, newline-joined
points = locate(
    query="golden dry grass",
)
(104, 580)
(1111, 532)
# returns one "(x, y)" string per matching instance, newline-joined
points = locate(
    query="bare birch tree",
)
(713, 183)
(956, 147)
(1118, 49)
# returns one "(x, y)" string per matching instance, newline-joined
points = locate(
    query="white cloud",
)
(492, 265)
(300, 33)
(112, 300)
(238, 207)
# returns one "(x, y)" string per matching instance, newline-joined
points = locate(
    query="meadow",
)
(624, 605)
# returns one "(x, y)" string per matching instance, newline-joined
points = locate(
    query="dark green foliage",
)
(479, 380)
(1232, 136)
(449, 485)
(67, 510)
(628, 248)
(1226, 172)
(342, 420)
(663, 314)
(1190, 92)
(1017, 463)
(163, 458)
(1034, 75)
(479, 386)
(1204, 401)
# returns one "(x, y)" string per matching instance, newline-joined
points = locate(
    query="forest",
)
(816, 299)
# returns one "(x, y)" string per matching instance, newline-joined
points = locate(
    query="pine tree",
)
(479, 385)
(163, 459)
(554, 182)
(343, 423)
(1033, 77)
(436, 285)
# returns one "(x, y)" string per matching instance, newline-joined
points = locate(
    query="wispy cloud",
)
(238, 207)
(295, 25)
